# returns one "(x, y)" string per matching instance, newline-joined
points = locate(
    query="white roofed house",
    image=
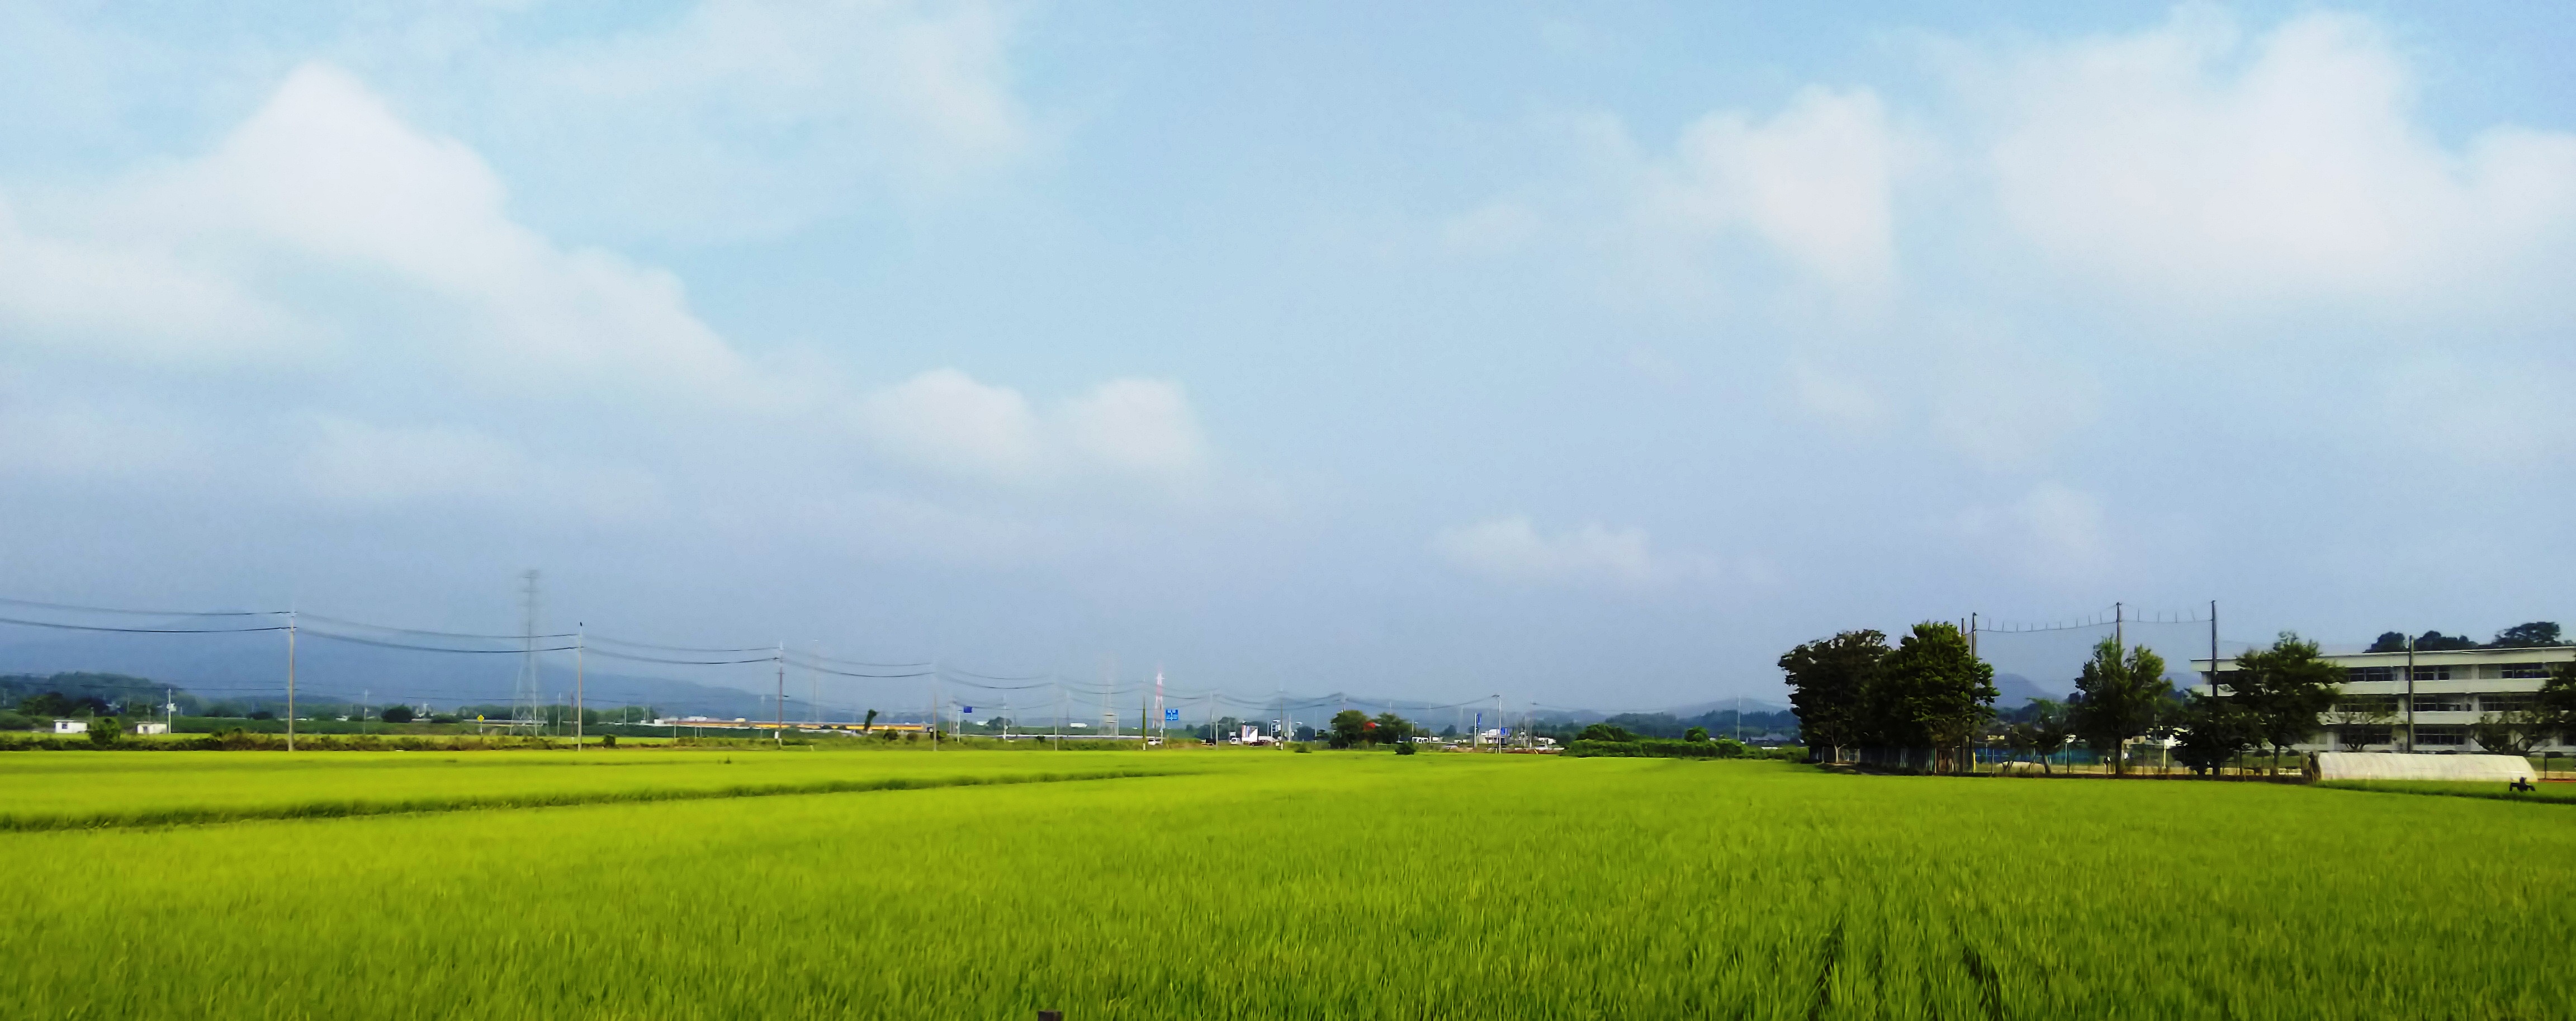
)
(2423, 701)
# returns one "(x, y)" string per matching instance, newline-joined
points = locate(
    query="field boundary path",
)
(336, 808)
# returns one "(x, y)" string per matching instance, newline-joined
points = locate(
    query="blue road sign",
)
(1171, 715)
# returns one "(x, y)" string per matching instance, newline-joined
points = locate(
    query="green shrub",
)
(104, 730)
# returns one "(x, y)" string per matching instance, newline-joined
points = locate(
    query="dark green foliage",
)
(1350, 729)
(1606, 732)
(1388, 728)
(2119, 698)
(1827, 680)
(1696, 734)
(55, 703)
(2043, 730)
(2283, 689)
(105, 730)
(397, 714)
(261, 714)
(1655, 748)
(1404, 748)
(2388, 641)
(2534, 635)
(871, 722)
(2210, 731)
(608, 740)
(1931, 691)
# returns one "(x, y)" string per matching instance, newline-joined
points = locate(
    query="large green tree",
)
(1390, 729)
(2283, 689)
(2043, 733)
(2536, 634)
(1350, 729)
(1931, 691)
(1828, 680)
(2119, 698)
(2210, 731)
(2554, 712)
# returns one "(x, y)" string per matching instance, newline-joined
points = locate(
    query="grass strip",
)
(337, 809)
(2490, 791)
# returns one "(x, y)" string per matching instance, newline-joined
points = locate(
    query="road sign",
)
(1171, 716)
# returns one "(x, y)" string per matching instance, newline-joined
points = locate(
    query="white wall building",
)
(71, 726)
(2430, 698)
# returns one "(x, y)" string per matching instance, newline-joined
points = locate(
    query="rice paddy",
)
(1254, 884)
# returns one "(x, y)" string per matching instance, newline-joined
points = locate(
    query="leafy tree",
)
(2211, 731)
(2118, 699)
(1449, 731)
(2534, 635)
(1389, 728)
(2360, 721)
(2283, 689)
(1696, 735)
(1350, 729)
(1931, 691)
(1828, 680)
(104, 730)
(2554, 714)
(397, 714)
(2435, 641)
(261, 714)
(2511, 732)
(1605, 732)
(870, 723)
(2388, 641)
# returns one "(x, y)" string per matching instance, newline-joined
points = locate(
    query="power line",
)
(344, 622)
(144, 630)
(597, 651)
(142, 613)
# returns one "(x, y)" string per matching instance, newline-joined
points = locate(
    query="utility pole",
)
(2213, 648)
(2410, 694)
(290, 684)
(578, 630)
(2119, 636)
(781, 657)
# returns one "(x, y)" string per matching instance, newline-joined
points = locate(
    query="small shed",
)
(151, 728)
(2398, 766)
(71, 726)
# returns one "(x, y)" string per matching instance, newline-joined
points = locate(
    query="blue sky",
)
(1585, 355)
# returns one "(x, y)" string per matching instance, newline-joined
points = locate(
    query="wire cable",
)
(142, 613)
(344, 622)
(143, 630)
(431, 648)
(597, 651)
(711, 650)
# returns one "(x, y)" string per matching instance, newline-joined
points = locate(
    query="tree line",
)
(1853, 692)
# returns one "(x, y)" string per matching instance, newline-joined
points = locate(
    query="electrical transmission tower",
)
(523, 701)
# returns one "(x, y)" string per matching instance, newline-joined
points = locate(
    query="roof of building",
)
(2397, 766)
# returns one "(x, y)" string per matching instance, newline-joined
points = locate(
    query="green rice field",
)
(1238, 884)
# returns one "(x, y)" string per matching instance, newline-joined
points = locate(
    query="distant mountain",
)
(1725, 705)
(249, 667)
(2014, 691)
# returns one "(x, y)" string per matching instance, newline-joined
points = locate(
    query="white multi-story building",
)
(2423, 701)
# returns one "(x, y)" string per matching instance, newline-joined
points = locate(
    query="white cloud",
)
(2187, 163)
(1816, 181)
(946, 421)
(130, 299)
(1142, 426)
(325, 170)
(743, 117)
(1511, 549)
